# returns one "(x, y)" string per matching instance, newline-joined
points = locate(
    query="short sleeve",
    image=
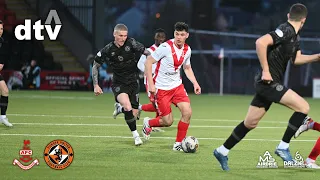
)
(160, 52)
(101, 56)
(281, 34)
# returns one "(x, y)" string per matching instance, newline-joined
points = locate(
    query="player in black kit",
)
(3, 86)
(120, 56)
(274, 51)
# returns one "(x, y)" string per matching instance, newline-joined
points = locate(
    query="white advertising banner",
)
(316, 88)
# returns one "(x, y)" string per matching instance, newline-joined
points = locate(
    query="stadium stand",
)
(50, 55)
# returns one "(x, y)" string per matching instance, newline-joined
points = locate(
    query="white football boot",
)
(6, 122)
(137, 141)
(177, 146)
(146, 130)
(117, 110)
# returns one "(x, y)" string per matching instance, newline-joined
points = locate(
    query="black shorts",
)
(131, 89)
(1, 78)
(266, 94)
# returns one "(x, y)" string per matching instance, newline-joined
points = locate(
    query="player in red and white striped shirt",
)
(166, 83)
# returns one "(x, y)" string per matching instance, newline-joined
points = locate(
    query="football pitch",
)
(104, 147)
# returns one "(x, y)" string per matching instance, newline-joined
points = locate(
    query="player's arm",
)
(188, 70)
(141, 63)
(95, 72)
(280, 35)
(148, 72)
(190, 75)
(99, 59)
(156, 56)
(139, 47)
(261, 48)
(303, 59)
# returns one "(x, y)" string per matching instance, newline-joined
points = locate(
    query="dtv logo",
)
(38, 27)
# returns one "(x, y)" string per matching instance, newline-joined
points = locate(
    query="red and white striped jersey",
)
(170, 59)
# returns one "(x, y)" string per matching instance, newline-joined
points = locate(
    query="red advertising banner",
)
(63, 80)
(53, 80)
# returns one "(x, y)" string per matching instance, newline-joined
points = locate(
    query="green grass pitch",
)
(104, 149)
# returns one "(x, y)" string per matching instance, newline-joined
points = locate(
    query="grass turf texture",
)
(104, 149)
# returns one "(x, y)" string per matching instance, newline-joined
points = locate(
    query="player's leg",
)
(259, 106)
(307, 124)
(310, 161)
(150, 107)
(134, 99)
(121, 93)
(155, 128)
(165, 118)
(4, 102)
(158, 129)
(183, 124)
(124, 100)
(182, 101)
(301, 107)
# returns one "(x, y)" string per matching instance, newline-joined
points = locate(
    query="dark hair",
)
(297, 12)
(1, 22)
(160, 30)
(181, 26)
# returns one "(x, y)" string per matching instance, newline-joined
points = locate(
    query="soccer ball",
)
(190, 144)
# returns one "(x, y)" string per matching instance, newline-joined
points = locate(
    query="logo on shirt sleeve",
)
(279, 32)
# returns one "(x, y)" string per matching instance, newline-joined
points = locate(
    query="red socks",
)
(315, 151)
(182, 131)
(148, 107)
(316, 126)
(155, 122)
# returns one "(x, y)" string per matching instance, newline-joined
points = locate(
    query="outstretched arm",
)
(303, 59)
(139, 47)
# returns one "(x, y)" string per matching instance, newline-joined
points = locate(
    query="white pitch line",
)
(123, 125)
(130, 137)
(51, 97)
(109, 117)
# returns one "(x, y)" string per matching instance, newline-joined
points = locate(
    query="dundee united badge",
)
(58, 154)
